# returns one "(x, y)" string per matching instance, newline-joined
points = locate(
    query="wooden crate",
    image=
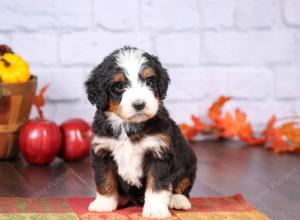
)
(15, 106)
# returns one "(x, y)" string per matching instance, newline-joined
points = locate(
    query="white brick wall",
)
(256, 13)
(90, 48)
(254, 48)
(182, 46)
(117, 14)
(291, 12)
(249, 49)
(286, 83)
(224, 9)
(169, 15)
(36, 48)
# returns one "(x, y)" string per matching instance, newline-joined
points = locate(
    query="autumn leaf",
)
(283, 139)
(276, 143)
(227, 125)
(39, 101)
(245, 131)
(270, 126)
(290, 130)
(234, 125)
(215, 112)
(198, 124)
(238, 126)
(190, 131)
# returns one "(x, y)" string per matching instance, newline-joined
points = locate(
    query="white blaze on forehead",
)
(131, 61)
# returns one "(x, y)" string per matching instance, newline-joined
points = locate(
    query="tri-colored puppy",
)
(139, 153)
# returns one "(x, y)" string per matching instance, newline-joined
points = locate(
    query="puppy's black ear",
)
(162, 74)
(96, 85)
(164, 81)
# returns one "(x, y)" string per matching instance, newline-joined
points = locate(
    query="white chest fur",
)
(129, 156)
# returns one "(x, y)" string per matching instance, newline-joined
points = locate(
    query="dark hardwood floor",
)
(269, 182)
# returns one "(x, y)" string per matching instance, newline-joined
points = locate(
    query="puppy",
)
(139, 154)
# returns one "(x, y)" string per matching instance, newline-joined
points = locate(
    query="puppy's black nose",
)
(138, 105)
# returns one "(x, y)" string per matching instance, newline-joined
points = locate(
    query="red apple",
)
(76, 139)
(40, 141)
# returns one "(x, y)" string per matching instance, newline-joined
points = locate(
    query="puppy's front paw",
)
(179, 201)
(156, 211)
(156, 204)
(104, 203)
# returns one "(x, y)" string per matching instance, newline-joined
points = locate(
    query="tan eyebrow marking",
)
(147, 72)
(118, 77)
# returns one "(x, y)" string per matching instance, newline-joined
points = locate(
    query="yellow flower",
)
(13, 69)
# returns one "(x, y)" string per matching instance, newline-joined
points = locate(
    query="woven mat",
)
(233, 207)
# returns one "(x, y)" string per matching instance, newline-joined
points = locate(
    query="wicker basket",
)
(15, 106)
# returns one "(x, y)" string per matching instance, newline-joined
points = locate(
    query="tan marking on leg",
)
(123, 200)
(156, 201)
(150, 181)
(110, 187)
(107, 193)
(183, 184)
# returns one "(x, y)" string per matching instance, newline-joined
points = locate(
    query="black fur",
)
(176, 163)
(163, 77)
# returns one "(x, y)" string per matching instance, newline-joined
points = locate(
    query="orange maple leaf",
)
(214, 112)
(39, 101)
(283, 139)
(198, 124)
(270, 125)
(190, 131)
(245, 131)
(290, 130)
(238, 126)
(227, 125)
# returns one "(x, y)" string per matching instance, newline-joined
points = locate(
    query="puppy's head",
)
(129, 83)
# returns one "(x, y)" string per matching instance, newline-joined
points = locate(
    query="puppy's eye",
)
(150, 82)
(118, 88)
